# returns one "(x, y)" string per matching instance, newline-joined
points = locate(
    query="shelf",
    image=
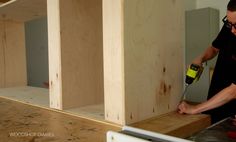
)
(26, 94)
(92, 111)
(40, 97)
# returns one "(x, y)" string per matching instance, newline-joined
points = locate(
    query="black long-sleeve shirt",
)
(224, 73)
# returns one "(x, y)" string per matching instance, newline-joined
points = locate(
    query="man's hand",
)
(197, 61)
(185, 108)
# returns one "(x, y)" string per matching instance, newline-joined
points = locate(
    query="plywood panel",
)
(2, 58)
(23, 10)
(13, 54)
(113, 61)
(81, 52)
(54, 54)
(153, 57)
(143, 55)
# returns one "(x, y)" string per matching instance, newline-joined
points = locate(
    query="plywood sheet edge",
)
(113, 51)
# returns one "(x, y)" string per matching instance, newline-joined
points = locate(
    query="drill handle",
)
(199, 73)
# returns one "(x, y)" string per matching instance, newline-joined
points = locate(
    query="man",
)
(222, 92)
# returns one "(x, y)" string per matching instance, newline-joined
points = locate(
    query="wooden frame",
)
(127, 55)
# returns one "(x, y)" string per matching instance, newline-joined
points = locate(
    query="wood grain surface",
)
(24, 123)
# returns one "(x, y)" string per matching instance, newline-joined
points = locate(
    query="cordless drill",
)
(193, 74)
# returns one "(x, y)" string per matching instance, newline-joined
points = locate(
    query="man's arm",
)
(219, 99)
(208, 54)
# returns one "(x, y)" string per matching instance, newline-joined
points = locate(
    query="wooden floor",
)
(24, 123)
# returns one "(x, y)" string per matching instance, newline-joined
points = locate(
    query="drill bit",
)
(184, 93)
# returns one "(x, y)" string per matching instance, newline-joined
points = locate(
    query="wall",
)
(217, 4)
(200, 45)
(37, 51)
(190, 4)
(202, 26)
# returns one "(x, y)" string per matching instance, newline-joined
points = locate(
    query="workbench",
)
(17, 117)
(26, 123)
(175, 124)
(217, 132)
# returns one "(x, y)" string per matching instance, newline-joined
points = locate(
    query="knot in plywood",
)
(164, 88)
